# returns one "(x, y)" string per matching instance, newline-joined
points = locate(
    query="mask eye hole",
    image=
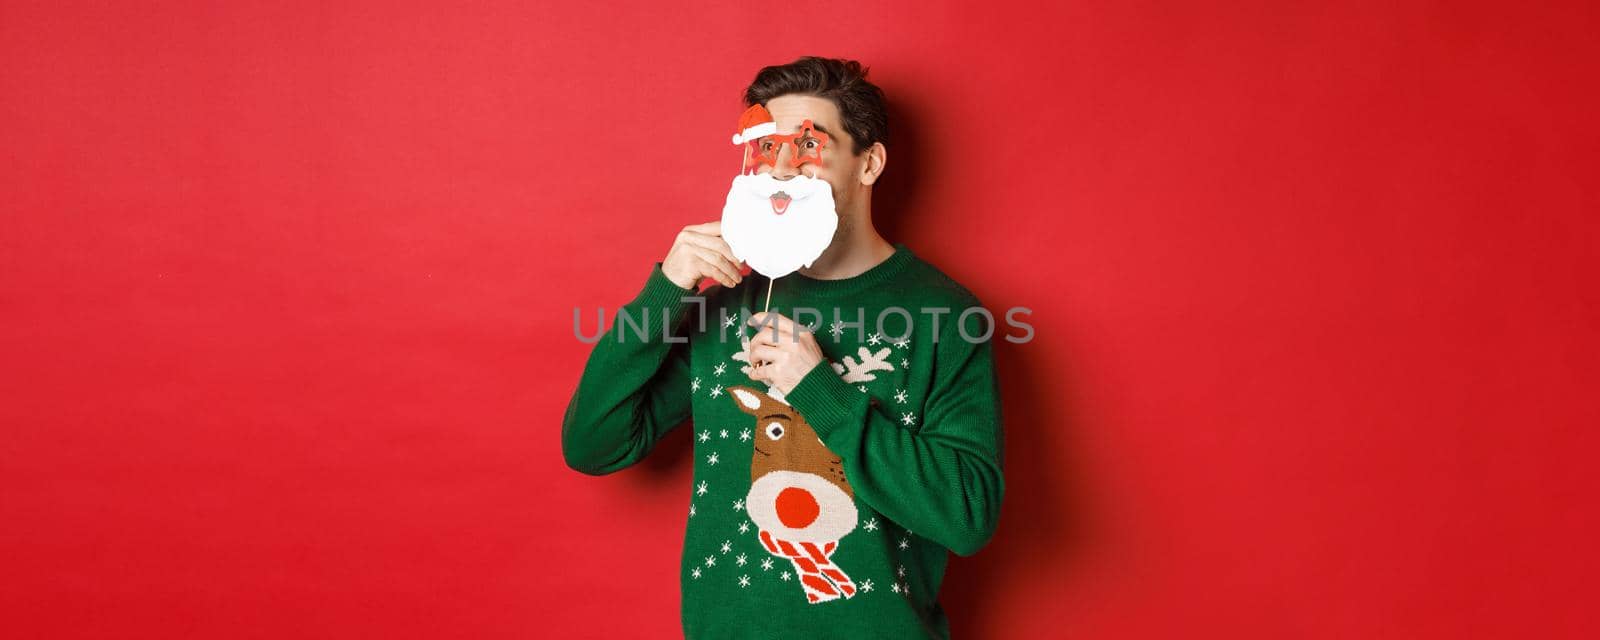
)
(774, 431)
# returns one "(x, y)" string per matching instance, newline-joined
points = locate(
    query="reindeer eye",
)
(774, 431)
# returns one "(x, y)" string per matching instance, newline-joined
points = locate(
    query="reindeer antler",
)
(853, 371)
(744, 355)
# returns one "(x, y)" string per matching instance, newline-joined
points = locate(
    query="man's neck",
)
(851, 255)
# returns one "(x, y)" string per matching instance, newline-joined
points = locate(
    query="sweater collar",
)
(798, 286)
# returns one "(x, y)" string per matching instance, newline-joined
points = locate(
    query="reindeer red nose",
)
(797, 509)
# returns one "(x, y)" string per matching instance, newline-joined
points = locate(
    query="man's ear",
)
(872, 165)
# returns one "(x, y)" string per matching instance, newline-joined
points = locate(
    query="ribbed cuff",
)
(661, 294)
(658, 288)
(826, 401)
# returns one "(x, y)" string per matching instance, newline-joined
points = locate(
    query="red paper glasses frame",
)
(807, 142)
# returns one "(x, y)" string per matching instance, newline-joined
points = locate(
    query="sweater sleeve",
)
(634, 388)
(943, 482)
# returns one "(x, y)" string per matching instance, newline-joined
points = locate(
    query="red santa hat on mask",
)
(754, 123)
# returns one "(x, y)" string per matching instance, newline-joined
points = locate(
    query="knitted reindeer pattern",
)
(799, 497)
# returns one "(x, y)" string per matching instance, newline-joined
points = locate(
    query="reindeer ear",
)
(749, 399)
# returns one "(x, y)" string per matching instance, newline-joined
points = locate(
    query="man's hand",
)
(700, 252)
(782, 352)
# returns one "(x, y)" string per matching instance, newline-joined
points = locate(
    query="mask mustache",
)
(796, 188)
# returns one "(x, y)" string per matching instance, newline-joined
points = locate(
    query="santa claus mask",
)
(778, 226)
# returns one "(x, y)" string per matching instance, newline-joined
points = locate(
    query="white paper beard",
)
(774, 235)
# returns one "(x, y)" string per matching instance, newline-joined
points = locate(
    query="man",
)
(835, 470)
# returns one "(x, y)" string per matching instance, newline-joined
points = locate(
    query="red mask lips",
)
(780, 202)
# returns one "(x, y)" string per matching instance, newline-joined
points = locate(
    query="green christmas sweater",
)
(829, 512)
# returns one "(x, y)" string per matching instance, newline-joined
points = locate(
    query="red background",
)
(287, 298)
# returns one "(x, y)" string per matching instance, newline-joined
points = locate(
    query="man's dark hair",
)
(844, 82)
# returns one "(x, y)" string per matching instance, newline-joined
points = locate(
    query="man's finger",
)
(712, 243)
(713, 228)
(787, 330)
(709, 271)
(764, 353)
(719, 261)
(729, 275)
(722, 245)
(776, 319)
(771, 334)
